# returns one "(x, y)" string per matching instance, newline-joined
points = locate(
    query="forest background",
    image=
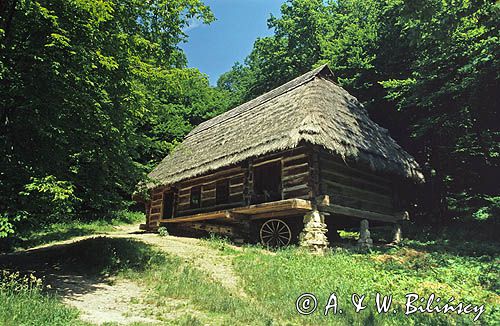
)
(94, 93)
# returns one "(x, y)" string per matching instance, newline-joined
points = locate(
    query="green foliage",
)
(491, 210)
(37, 234)
(271, 282)
(50, 199)
(93, 93)
(24, 303)
(162, 231)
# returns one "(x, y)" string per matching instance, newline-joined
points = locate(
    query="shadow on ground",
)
(81, 267)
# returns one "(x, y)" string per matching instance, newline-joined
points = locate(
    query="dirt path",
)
(211, 261)
(110, 301)
(121, 301)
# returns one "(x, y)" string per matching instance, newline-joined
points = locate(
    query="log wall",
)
(297, 167)
(354, 187)
(236, 177)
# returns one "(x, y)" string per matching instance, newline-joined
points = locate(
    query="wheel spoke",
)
(275, 233)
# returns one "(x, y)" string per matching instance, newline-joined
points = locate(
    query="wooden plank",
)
(286, 160)
(273, 160)
(236, 189)
(294, 188)
(208, 186)
(295, 170)
(289, 177)
(356, 192)
(300, 193)
(354, 181)
(281, 155)
(208, 193)
(285, 213)
(198, 217)
(360, 203)
(275, 206)
(227, 173)
(213, 228)
(347, 211)
(297, 166)
(185, 192)
(291, 182)
(211, 208)
(287, 207)
(329, 161)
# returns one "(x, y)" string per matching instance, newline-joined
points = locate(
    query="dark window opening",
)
(267, 183)
(195, 201)
(168, 205)
(222, 192)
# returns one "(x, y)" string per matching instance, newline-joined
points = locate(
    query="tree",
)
(87, 89)
(426, 70)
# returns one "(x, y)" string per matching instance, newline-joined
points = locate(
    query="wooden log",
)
(212, 228)
(300, 193)
(347, 211)
(236, 188)
(330, 162)
(300, 180)
(295, 170)
(356, 182)
(199, 217)
(293, 176)
(237, 180)
(302, 159)
(356, 192)
(360, 203)
(223, 174)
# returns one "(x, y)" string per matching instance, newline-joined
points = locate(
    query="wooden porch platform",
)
(280, 208)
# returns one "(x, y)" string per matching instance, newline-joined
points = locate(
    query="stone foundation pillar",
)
(397, 233)
(365, 241)
(313, 236)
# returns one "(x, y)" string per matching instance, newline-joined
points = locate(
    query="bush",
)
(162, 231)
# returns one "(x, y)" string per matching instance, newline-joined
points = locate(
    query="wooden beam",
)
(198, 217)
(288, 213)
(275, 206)
(353, 212)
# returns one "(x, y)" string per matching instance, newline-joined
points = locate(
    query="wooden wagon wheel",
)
(275, 233)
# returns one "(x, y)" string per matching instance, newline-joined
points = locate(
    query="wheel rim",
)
(275, 233)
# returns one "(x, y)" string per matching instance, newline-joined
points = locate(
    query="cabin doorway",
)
(168, 205)
(267, 183)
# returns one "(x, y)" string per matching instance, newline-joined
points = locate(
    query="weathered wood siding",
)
(296, 175)
(299, 179)
(236, 177)
(154, 208)
(354, 187)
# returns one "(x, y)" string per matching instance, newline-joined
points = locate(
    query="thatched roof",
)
(310, 108)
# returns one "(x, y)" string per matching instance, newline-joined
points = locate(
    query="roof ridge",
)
(261, 99)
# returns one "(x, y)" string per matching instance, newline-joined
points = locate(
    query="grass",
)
(35, 236)
(274, 280)
(449, 262)
(25, 300)
(24, 303)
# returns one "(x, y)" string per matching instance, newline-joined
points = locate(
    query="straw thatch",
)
(310, 108)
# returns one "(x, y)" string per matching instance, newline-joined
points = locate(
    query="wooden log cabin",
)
(255, 171)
